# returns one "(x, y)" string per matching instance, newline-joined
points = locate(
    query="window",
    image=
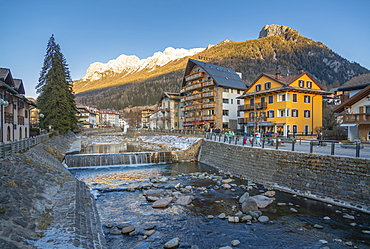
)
(271, 99)
(251, 115)
(301, 83)
(251, 101)
(231, 101)
(270, 114)
(267, 85)
(283, 97)
(309, 84)
(26, 114)
(226, 90)
(295, 113)
(238, 101)
(258, 87)
(295, 128)
(225, 112)
(238, 91)
(283, 112)
(307, 99)
(306, 129)
(238, 113)
(295, 97)
(225, 101)
(307, 113)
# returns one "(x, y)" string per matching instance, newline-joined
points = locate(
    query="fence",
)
(326, 147)
(178, 132)
(22, 145)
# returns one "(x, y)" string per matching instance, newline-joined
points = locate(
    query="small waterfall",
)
(85, 160)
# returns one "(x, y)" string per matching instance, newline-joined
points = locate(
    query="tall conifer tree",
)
(56, 100)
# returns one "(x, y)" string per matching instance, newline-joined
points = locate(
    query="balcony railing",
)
(208, 94)
(192, 119)
(257, 106)
(208, 83)
(192, 97)
(209, 117)
(194, 86)
(209, 105)
(194, 76)
(356, 118)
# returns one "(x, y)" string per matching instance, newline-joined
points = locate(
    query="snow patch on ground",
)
(179, 142)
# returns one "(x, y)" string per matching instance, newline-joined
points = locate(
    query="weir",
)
(85, 160)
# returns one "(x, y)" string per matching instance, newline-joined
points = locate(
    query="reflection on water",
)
(191, 224)
(110, 148)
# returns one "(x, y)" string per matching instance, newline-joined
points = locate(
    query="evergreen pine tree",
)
(56, 100)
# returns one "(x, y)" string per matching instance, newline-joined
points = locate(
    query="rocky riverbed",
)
(191, 205)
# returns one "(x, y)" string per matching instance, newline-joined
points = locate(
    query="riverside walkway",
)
(329, 147)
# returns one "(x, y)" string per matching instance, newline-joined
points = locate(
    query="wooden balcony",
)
(256, 106)
(193, 86)
(194, 76)
(208, 83)
(192, 119)
(360, 118)
(209, 105)
(208, 117)
(192, 107)
(192, 97)
(209, 94)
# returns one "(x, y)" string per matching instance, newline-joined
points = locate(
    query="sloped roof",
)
(285, 81)
(222, 76)
(353, 100)
(18, 86)
(358, 82)
(6, 76)
(174, 96)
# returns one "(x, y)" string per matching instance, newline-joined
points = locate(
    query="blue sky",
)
(90, 30)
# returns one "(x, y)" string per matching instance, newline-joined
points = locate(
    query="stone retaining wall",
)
(42, 205)
(341, 180)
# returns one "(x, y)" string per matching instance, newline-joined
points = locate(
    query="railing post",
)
(358, 149)
(236, 140)
(263, 143)
(311, 146)
(332, 148)
(252, 141)
(293, 144)
(277, 143)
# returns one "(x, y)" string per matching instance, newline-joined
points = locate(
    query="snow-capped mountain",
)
(131, 63)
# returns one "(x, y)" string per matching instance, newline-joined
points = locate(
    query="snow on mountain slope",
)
(131, 63)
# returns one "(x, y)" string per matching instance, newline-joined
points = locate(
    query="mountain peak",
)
(274, 29)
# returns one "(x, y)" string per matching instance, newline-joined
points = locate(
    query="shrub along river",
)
(206, 211)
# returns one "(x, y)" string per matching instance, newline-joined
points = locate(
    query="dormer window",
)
(301, 83)
(267, 85)
(309, 84)
(258, 87)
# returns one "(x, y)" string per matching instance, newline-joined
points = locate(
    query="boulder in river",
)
(172, 243)
(249, 205)
(243, 197)
(162, 203)
(262, 201)
(185, 200)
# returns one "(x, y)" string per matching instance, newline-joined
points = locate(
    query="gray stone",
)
(263, 219)
(233, 219)
(243, 197)
(235, 242)
(162, 203)
(262, 201)
(172, 243)
(222, 216)
(249, 205)
(149, 232)
(185, 200)
(128, 229)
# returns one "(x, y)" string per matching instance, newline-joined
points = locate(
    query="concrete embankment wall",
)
(42, 205)
(343, 179)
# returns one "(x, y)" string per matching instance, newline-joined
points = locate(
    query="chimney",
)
(300, 71)
(277, 75)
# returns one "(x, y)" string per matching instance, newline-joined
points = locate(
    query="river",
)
(294, 222)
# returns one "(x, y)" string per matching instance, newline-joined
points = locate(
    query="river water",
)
(291, 224)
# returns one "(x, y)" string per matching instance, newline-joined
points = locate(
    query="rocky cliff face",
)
(274, 29)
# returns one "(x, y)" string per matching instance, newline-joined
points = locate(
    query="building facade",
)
(283, 105)
(169, 106)
(209, 97)
(15, 108)
(354, 111)
(145, 115)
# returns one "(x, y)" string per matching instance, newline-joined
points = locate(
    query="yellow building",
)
(283, 105)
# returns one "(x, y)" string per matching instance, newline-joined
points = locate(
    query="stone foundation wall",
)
(42, 205)
(187, 155)
(343, 180)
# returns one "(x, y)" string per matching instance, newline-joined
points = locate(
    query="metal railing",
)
(325, 147)
(166, 131)
(11, 148)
